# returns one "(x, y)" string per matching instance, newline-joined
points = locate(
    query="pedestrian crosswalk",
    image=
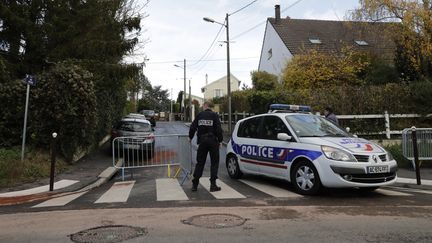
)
(119, 192)
(169, 189)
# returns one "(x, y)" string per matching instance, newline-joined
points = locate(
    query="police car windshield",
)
(306, 125)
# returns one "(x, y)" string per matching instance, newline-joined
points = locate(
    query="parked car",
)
(308, 150)
(133, 134)
(136, 115)
(150, 115)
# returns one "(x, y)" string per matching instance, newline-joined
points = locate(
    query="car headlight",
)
(337, 154)
(389, 156)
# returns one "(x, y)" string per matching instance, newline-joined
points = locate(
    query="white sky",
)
(176, 31)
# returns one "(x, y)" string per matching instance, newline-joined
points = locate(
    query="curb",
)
(103, 177)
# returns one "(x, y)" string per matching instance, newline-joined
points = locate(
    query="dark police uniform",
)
(209, 136)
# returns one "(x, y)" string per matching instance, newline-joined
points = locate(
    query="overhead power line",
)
(210, 47)
(243, 7)
(263, 22)
(203, 60)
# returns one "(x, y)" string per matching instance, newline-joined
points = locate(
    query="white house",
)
(194, 97)
(286, 37)
(218, 88)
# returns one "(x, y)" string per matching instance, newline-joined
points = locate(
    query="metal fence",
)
(424, 143)
(151, 151)
(387, 130)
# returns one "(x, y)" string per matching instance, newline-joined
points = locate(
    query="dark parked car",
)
(136, 136)
(150, 115)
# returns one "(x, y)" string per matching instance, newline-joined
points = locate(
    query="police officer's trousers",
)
(207, 145)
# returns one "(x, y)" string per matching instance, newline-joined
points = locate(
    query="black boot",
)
(195, 185)
(214, 187)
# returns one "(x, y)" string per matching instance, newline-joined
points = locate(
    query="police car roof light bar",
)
(289, 108)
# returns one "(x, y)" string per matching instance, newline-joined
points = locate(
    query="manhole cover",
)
(110, 233)
(215, 221)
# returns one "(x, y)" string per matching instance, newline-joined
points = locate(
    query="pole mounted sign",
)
(29, 80)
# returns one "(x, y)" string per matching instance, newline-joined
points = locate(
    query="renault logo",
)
(374, 157)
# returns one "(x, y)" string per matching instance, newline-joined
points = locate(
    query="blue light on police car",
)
(284, 107)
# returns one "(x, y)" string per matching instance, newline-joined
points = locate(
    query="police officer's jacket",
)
(207, 123)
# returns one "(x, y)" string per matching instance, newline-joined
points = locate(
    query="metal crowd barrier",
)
(424, 143)
(151, 151)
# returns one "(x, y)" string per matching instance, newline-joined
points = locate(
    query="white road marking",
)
(168, 189)
(59, 201)
(119, 192)
(270, 190)
(413, 181)
(392, 193)
(226, 192)
(57, 185)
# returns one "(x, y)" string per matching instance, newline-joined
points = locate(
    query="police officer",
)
(209, 138)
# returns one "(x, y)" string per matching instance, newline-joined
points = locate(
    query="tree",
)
(65, 102)
(314, 69)
(180, 97)
(95, 35)
(155, 98)
(412, 35)
(262, 80)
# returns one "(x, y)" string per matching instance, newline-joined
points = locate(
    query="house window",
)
(361, 43)
(269, 54)
(315, 41)
(218, 93)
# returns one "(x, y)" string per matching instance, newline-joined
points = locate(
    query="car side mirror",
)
(284, 137)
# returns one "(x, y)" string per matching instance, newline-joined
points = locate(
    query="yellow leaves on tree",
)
(414, 34)
(315, 69)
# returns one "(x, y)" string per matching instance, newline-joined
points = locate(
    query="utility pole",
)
(190, 102)
(228, 77)
(184, 91)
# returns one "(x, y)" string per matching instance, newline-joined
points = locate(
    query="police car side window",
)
(249, 128)
(272, 125)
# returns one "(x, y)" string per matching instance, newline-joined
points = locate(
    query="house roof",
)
(332, 36)
(223, 78)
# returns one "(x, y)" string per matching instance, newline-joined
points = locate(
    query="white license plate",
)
(377, 169)
(131, 146)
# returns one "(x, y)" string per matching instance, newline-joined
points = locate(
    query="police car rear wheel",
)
(305, 178)
(233, 168)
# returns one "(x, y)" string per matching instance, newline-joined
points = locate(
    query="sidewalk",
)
(90, 171)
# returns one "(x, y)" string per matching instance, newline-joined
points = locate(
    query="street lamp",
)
(184, 90)
(228, 68)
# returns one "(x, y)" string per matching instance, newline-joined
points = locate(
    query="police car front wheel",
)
(305, 178)
(233, 167)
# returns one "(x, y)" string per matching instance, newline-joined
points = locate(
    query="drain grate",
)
(215, 221)
(109, 233)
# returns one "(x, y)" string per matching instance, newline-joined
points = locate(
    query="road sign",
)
(29, 79)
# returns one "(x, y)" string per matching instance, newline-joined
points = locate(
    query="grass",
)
(36, 165)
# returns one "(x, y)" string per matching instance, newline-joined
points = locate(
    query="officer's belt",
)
(205, 135)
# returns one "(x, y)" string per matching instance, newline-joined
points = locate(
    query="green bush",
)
(65, 102)
(396, 151)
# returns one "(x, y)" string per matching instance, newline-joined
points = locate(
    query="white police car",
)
(308, 150)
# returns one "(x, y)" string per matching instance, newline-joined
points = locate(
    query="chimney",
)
(277, 13)
(206, 79)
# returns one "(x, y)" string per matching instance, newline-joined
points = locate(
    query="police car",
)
(308, 150)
